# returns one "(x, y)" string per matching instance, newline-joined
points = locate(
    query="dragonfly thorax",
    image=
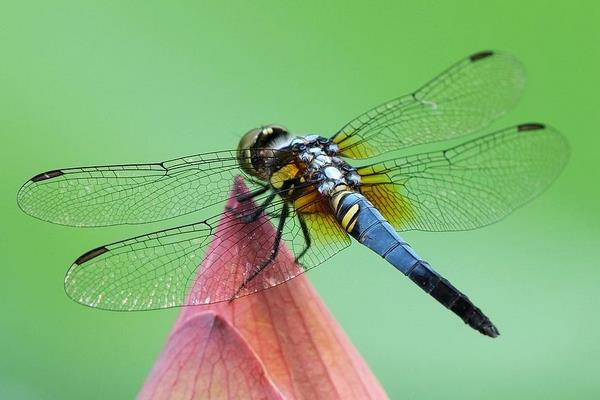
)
(323, 166)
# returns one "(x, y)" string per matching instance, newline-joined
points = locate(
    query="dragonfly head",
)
(257, 150)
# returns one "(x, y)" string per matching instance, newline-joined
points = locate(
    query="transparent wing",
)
(132, 193)
(323, 238)
(465, 98)
(180, 266)
(470, 185)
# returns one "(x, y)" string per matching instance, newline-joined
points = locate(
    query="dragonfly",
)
(316, 192)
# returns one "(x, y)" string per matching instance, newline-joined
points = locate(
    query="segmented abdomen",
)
(366, 224)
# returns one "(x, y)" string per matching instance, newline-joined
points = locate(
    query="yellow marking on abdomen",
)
(351, 227)
(349, 215)
(337, 197)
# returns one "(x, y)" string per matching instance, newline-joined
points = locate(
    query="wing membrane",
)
(470, 185)
(465, 98)
(179, 266)
(130, 194)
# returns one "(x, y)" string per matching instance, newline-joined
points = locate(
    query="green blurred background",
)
(111, 82)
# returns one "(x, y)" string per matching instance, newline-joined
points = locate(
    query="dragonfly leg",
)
(285, 212)
(242, 197)
(252, 216)
(307, 238)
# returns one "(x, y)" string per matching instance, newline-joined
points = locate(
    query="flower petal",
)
(207, 359)
(304, 353)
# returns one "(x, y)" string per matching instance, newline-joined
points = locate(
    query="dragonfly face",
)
(317, 201)
(258, 153)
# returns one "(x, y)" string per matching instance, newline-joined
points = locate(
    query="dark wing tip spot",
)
(91, 254)
(530, 127)
(481, 55)
(47, 175)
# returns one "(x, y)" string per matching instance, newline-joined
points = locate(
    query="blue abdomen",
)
(365, 223)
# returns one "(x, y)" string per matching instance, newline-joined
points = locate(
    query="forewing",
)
(470, 185)
(180, 266)
(465, 98)
(132, 193)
